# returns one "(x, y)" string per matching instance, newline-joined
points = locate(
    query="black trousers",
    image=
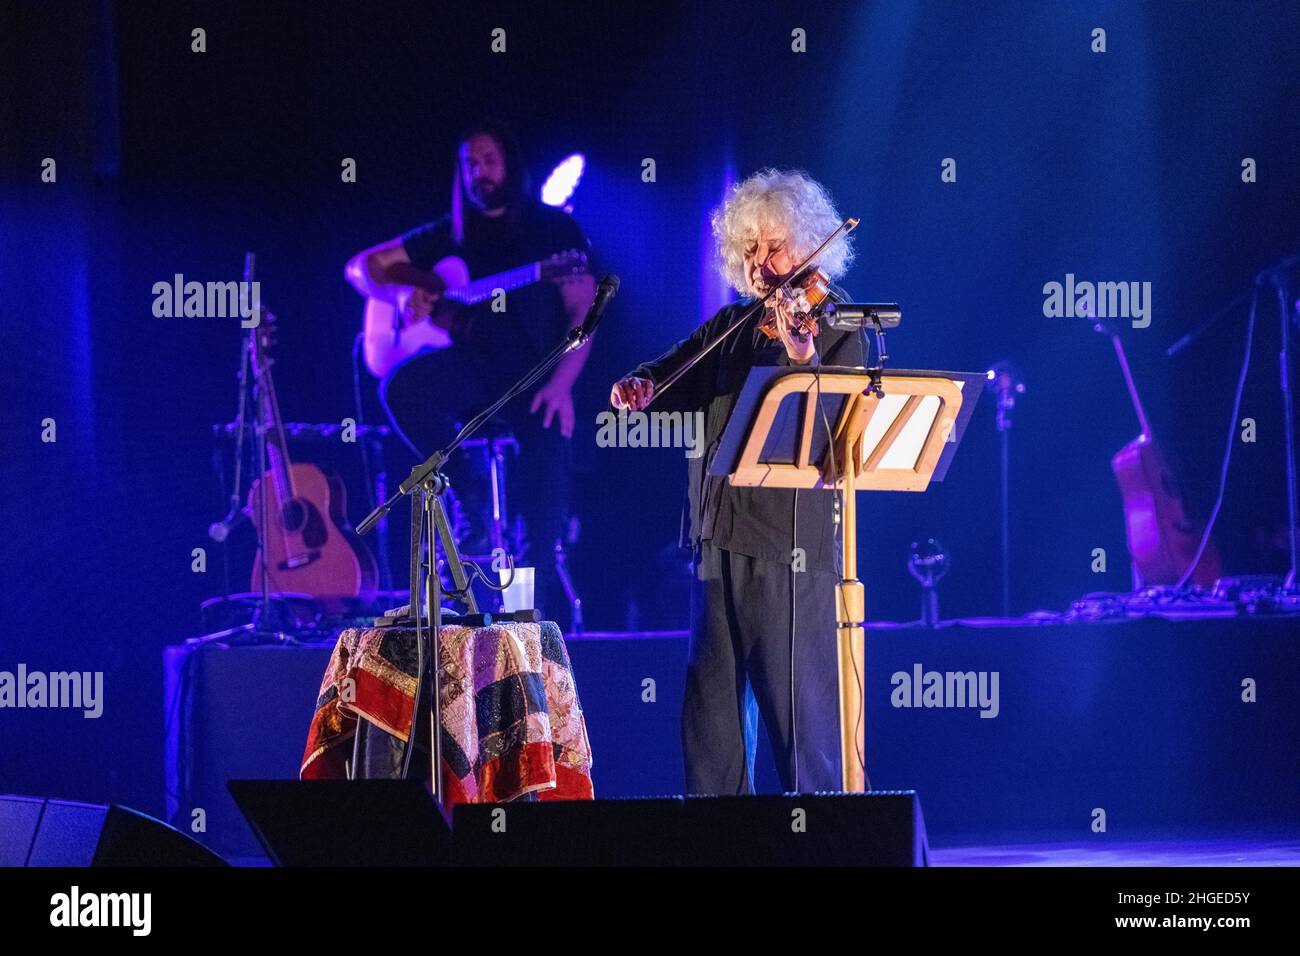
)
(741, 644)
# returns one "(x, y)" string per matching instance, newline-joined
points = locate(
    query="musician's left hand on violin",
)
(556, 398)
(799, 345)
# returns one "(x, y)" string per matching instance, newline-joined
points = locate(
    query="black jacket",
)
(758, 522)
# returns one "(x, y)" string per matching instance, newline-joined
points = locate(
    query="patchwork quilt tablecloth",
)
(511, 721)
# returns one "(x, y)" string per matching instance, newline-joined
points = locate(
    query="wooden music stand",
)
(893, 430)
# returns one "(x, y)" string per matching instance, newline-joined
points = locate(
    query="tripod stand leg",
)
(458, 578)
(570, 592)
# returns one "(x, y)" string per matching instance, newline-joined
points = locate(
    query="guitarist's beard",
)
(487, 195)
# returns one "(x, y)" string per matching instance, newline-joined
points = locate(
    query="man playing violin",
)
(765, 559)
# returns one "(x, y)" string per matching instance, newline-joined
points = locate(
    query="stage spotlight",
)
(564, 179)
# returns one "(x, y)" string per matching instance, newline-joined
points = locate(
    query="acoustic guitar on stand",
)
(305, 542)
(390, 340)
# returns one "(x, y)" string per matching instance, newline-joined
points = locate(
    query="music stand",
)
(846, 430)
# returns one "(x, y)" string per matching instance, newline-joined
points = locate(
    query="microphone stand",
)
(267, 622)
(1214, 320)
(1288, 422)
(219, 531)
(1004, 381)
(1277, 274)
(425, 486)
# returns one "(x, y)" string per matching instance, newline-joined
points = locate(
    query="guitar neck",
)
(1132, 387)
(272, 428)
(482, 289)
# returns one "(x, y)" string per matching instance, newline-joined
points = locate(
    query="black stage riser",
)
(395, 823)
(345, 822)
(871, 829)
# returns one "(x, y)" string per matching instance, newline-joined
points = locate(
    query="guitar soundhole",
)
(293, 515)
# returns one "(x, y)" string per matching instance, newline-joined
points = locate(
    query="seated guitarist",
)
(436, 372)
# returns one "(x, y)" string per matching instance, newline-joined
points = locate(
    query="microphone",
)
(604, 292)
(218, 531)
(847, 316)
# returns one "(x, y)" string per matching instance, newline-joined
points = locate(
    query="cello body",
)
(1162, 541)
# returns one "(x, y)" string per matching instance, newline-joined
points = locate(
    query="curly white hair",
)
(785, 200)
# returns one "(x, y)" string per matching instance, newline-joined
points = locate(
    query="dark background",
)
(1117, 166)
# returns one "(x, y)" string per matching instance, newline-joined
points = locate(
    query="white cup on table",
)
(518, 595)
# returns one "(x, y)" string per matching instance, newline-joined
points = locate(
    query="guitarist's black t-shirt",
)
(430, 390)
(534, 319)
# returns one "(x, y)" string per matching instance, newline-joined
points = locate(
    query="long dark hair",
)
(517, 182)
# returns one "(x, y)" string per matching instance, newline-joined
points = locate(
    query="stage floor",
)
(1220, 850)
(1226, 850)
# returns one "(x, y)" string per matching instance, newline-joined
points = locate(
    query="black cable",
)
(361, 419)
(839, 566)
(794, 589)
(794, 604)
(1232, 435)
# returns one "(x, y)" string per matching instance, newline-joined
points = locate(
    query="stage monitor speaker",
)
(877, 828)
(38, 832)
(345, 822)
(19, 817)
(638, 832)
(883, 828)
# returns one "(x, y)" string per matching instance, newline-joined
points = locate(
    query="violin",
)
(802, 300)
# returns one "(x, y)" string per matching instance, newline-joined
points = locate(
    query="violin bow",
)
(846, 227)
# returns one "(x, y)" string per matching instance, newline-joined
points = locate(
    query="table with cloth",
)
(512, 725)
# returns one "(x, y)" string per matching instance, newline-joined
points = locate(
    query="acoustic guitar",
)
(390, 341)
(1162, 540)
(309, 546)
